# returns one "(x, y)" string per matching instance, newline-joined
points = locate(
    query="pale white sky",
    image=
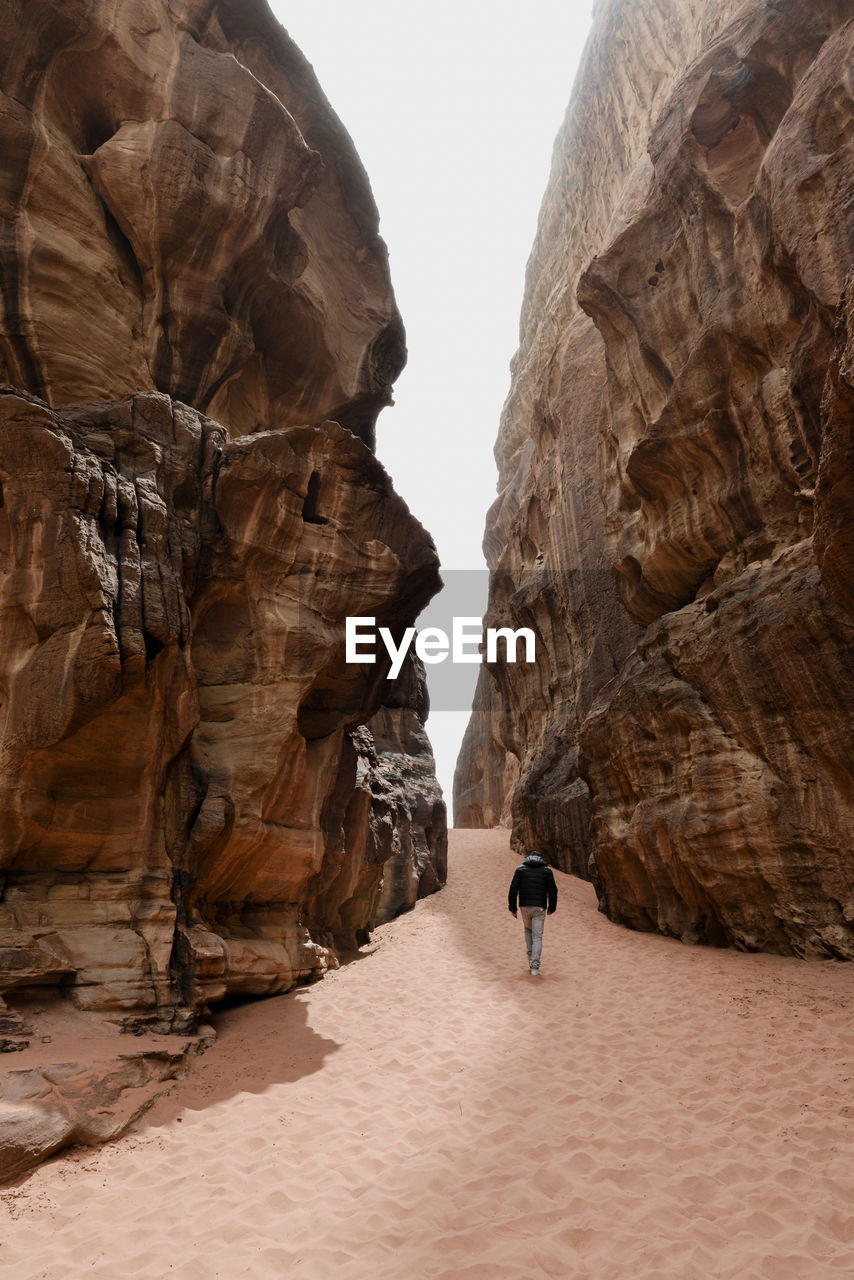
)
(453, 106)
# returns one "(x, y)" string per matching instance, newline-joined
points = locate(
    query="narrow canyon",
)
(202, 800)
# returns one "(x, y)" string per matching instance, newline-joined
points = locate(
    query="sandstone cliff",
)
(674, 469)
(197, 331)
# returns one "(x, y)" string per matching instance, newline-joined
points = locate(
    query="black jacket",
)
(533, 884)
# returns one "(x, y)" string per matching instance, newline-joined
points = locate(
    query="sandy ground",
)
(643, 1109)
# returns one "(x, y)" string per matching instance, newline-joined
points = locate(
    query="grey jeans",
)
(533, 918)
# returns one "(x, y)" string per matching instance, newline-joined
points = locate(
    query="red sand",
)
(641, 1110)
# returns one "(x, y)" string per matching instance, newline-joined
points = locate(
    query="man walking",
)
(534, 886)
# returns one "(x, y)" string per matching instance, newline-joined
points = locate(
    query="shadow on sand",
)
(259, 1044)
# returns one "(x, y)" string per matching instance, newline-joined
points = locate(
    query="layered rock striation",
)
(197, 331)
(707, 785)
(183, 212)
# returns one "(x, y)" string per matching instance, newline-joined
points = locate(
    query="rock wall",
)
(714, 765)
(545, 535)
(197, 331)
(183, 212)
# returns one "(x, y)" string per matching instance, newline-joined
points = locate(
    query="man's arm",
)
(552, 893)
(513, 895)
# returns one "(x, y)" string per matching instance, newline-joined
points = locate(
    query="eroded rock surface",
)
(712, 257)
(197, 331)
(834, 499)
(183, 212)
(177, 770)
(544, 539)
(76, 1080)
